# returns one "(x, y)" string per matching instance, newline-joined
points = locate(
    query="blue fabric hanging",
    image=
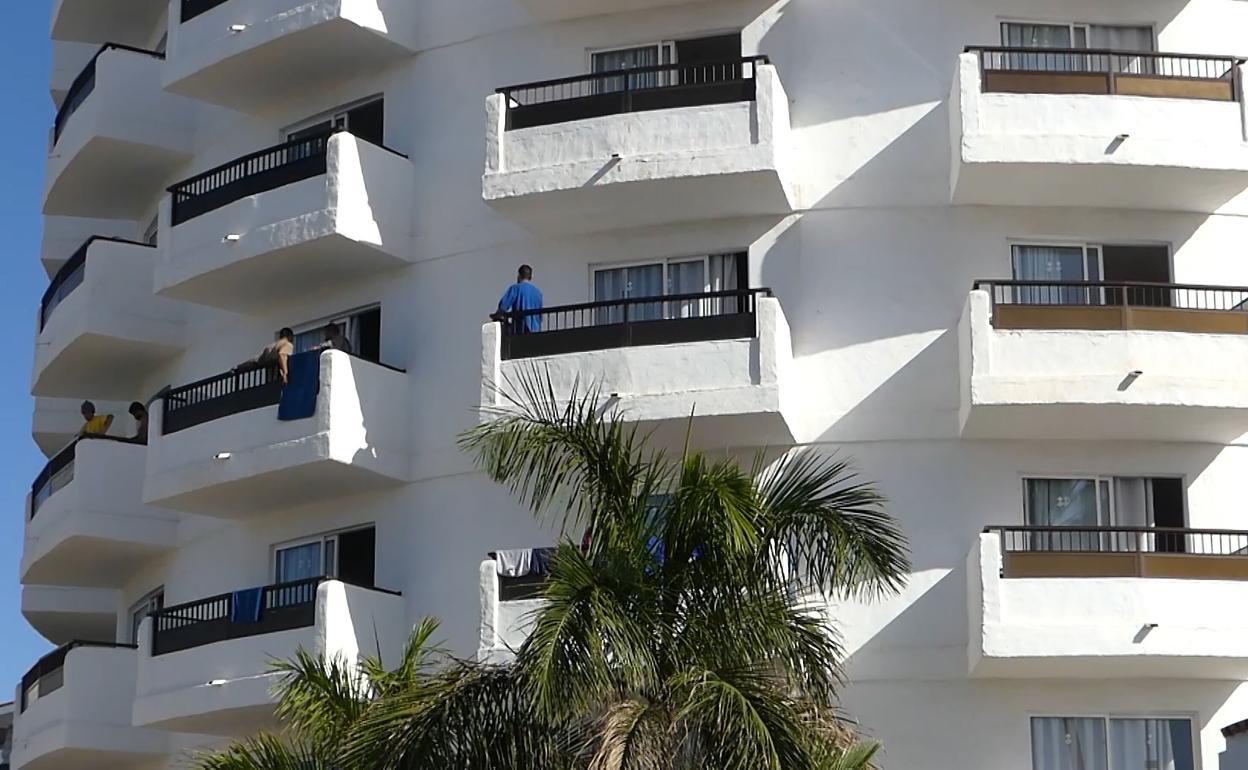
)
(303, 382)
(246, 605)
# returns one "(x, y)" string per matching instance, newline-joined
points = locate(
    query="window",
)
(1015, 34)
(714, 49)
(349, 556)
(1112, 743)
(1094, 501)
(365, 120)
(151, 602)
(1092, 263)
(362, 329)
(670, 277)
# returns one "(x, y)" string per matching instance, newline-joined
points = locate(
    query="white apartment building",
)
(994, 250)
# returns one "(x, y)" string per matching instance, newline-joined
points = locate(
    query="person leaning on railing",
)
(275, 354)
(94, 424)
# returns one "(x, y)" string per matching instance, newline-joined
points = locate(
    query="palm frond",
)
(265, 751)
(833, 525)
(319, 698)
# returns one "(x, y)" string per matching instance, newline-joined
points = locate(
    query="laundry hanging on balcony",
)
(303, 382)
(245, 605)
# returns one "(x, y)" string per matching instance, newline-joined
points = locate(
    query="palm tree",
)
(320, 702)
(685, 630)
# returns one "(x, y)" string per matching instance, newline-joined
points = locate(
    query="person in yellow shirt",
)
(94, 424)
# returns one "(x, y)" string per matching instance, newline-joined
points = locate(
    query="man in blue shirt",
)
(520, 296)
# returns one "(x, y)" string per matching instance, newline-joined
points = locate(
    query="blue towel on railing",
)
(246, 605)
(303, 382)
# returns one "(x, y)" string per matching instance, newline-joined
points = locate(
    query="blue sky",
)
(25, 60)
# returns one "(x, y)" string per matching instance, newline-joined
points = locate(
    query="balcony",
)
(723, 357)
(1080, 128)
(63, 613)
(247, 54)
(219, 446)
(68, 61)
(204, 666)
(284, 222)
(86, 522)
(56, 422)
(508, 604)
(640, 147)
(74, 711)
(1104, 361)
(101, 330)
(98, 21)
(1108, 602)
(117, 137)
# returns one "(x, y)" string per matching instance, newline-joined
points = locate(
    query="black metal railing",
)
(70, 276)
(1117, 294)
(635, 89)
(193, 8)
(48, 674)
(1107, 71)
(1121, 540)
(236, 391)
(268, 169)
(283, 607)
(84, 85)
(631, 322)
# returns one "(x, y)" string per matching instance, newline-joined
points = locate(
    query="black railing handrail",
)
(1109, 529)
(757, 59)
(62, 460)
(71, 103)
(175, 188)
(176, 609)
(56, 660)
(71, 266)
(1105, 52)
(171, 394)
(517, 314)
(980, 284)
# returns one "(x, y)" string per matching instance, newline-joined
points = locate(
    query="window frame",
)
(670, 45)
(1086, 26)
(322, 538)
(665, 262)
(1097, 479)
(143, 601)
(330, 116)
(338, 318)
(1099, 245)
(1109, 716)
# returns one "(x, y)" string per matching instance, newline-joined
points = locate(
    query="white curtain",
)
(633, 282)
(1065, 503)
(1151, 744)
(688, 277)
(1121, 38)
(1052, 264)
(299, 563)
(1068, 744)
(1038, 36)
(632, 58)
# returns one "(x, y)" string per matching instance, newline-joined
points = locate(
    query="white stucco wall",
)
(1099, 627)
(96, 530)
(68, 59)
(109, 331)
(355, 441)
(127, 128)
(294, 43)
(729, 386)
(353, 220)
(1063, 149)
(1074, 383)
(226, 688)
(872, 266)
(711, 161)
(88, 717)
